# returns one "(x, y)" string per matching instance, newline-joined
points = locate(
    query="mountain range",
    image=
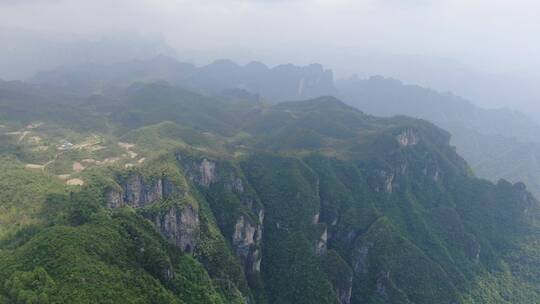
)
(153, 193)
(497, 143)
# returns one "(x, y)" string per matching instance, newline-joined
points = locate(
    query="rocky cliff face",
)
(528, 202)
(201, 172)
(321, 246)
(207, 173)
(408, 137)
(220, 181)
(344, 293)
(114, 198)
(136, 192)
(246, 242)
(180, 225)
(386, 181)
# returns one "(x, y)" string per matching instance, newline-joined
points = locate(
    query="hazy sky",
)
(484, 50)
(500, 35)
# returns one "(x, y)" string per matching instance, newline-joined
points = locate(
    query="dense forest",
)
(154, 193)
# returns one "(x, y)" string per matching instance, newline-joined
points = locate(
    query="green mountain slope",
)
(497, 143)
(190, 199)
(486, 138)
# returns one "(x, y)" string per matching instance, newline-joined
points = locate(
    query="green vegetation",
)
(326, 200)
(24, 196)
(497, 143)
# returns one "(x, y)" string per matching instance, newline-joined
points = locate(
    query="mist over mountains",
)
(26, 52)
(487, 138)
(269, 152)
(242, 180)
(148, 191)
(30, 51)
(283, 82)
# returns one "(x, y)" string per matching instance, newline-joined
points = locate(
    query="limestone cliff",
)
(246, 242)
(239, 214)
(177, 222)
(180, 226)
(408, 137)
(136, 191)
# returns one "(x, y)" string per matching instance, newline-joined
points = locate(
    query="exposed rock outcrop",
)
(360, 260)
(316, 218)
(114, 198)
(344, 293)
(247, 230)
(385, 182)
(235, 184)
(207, 171)
(180, 225)
(137, 192)
(203, 173)
(431, 169)
(246, 241)
(409, 137)
(322, 246)
(529, 203)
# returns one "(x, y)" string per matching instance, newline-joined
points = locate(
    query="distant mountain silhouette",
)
(283, 82)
